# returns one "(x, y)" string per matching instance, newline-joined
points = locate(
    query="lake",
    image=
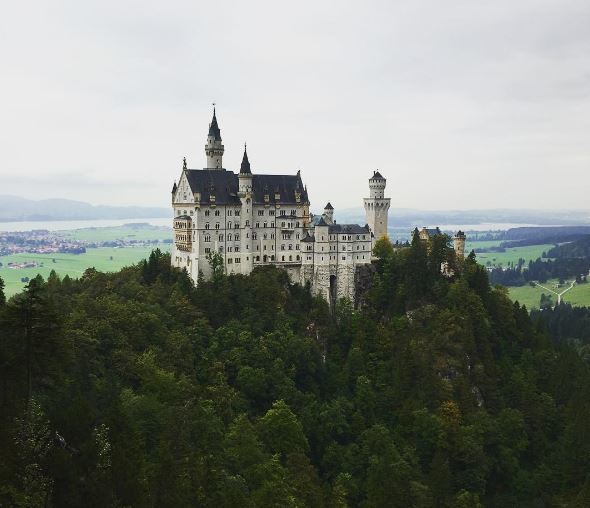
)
(59, 225)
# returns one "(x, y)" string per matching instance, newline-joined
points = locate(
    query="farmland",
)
(103, 259)
(530, 296)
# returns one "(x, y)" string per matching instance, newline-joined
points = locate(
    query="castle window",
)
(254, 236)
(237, 213)
(297, 236)
(206, 213)
(290, 258)
(344, 247)
(272, 258)
(247, 223)
(272, 224)
(207, 250)
(271, 212)
(282, 246)
(216, 213)
(264, 247)
(229, 236)
(343, 258)
(236, 237)
(282, 258)
(260, 213)
(229, 225)
(207, 238)
(237, 248)
(265, 224)
(282, 224)
(229, 212)
(297, 247)
(282, 213)
(207, 225)
(217, 225)
(272, 236)
(221, 249)
(297, 257)
(229, 249)
(293, 212)
(257, 258)
(238, 260)
(297, 224)
(272, 247)
(229, 261)
(258, 224)
(290, 246)
(236, 225)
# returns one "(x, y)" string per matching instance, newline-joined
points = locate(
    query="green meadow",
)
(512, 254)
(103, 259)
(129, 232)
(530, 296)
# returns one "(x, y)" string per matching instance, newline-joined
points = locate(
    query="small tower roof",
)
(214, 128)
(376, 174)
(245, 167)
(328, 207)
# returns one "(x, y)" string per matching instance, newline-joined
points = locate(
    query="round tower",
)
(214, 147)
(246, 215)
(377, 206)
(459, 244)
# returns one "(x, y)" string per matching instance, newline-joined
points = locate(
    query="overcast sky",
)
(460, 104)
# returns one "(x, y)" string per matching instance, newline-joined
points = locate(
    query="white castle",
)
(263, 219)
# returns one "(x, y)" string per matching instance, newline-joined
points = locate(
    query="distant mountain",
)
(14, 208)
(406, 217)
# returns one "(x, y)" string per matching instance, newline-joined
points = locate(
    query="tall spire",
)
(214, 130)
(245, 167)
(214, 148)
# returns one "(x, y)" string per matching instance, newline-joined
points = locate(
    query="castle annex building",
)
(254, 219)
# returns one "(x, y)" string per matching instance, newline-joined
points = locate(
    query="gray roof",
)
(328, 207)
(214, 128)
(224, 186)
(376, 175)
(245, 167)
(433, 232)
(308, 238)
(351, 229)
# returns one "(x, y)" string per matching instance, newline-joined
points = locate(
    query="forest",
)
(541, 270)
(136, 388)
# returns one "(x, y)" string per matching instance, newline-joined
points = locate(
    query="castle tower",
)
(459, 244)
(377, 206)
(328, 214)
(246, 214)
(214, 148)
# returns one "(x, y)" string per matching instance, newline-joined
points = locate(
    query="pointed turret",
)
(214, 148)
(245, 167)
(214, 130)
(245, 175)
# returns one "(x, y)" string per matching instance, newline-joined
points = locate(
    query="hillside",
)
(13, 208)
(577, 249)
(137, 389)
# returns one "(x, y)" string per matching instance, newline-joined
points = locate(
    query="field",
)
(530, 296)
(103, 259)
(512, 255)
(138, 232)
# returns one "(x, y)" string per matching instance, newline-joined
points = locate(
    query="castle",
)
(259, 219)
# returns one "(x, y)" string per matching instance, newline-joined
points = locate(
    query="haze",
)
(459, 104)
